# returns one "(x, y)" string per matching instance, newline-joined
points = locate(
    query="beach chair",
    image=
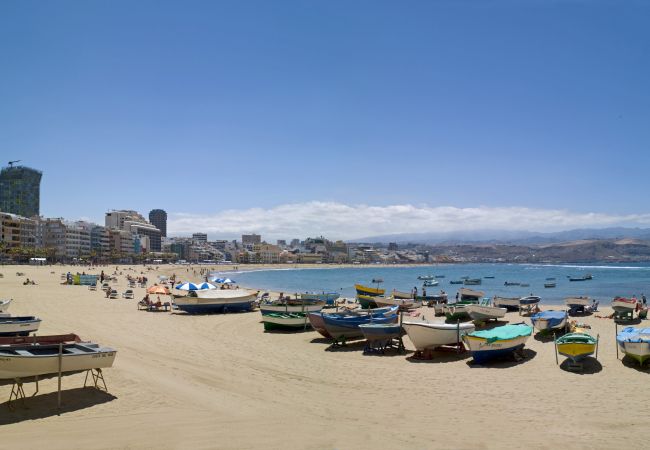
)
(92, 287)
(114, 294)
(127, 294)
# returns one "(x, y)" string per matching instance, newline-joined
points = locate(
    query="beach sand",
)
(219, 381)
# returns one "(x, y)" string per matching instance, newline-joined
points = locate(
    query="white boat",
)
(293, 306)
(4, 305)
(18, 326)
(27, 360)
(485, 312)
(216, 300)
(577, 301)
(510, 303)
(635, 343)
(403, 303)
(276, 320)
(624, 305)
(470, 294)
(427, 335)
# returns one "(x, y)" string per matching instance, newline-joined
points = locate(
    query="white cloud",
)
(341, 221)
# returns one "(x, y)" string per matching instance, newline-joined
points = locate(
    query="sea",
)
(608, 281)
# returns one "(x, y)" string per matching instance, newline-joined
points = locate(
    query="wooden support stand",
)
(17, 393)
(97, 377)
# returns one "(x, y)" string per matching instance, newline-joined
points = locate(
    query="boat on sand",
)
(489, 344)
(635, 343)
(428, 335)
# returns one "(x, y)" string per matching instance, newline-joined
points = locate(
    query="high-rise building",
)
(134, 223)
(200, 237)
(20, 191)
(158, 218)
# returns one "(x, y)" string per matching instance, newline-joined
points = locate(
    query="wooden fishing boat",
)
(45, 339)
(328, 297)
(365, 290)
(347, 327)
(573, 302)
(635, 343)
(288, 305)
(472, 281)
(4, 305)
(576, 346)
(426, 277)
(489, 344)
(208, 301)
(286, 321)
(367, 301)
(583, 278)
(485, 311)
(19, 325)
(529, 300)
(456, 282)
(380, 331)
(458, 311)
(511, 283)
(431, 300)
(403, 303)
(398, 294)
(510, 303)
(469, 294)
(624, 305)
(426, 335)
(430, 283)
(549, 320)
(27, 360)
(549, 285)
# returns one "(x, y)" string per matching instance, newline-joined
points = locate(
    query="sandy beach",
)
(219, 381)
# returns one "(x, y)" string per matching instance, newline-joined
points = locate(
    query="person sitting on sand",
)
(26, 282)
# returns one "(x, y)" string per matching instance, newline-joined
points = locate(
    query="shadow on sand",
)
(590, 366)
(439, 357)
(634, 364)
(506, 361)
(44, 405)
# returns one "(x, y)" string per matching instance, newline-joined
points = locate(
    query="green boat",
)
(456, 312)
(367, 301)
(285, 321)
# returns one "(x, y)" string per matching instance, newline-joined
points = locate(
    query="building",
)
(122, 242)
(250, 240)
(158, 218)
(200, 237)
(392, 246)
(17, 231)
(134, 223)
(267, 253)
(20, 191)
(281, 242)
(295, 243)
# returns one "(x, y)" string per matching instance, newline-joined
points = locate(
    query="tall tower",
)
(158, 218)
(20, 190)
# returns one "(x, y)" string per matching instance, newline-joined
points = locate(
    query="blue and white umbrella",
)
(216, 280)
(187, 287)
(228, 281)
(206, 285)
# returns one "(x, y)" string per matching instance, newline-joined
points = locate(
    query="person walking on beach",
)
(643, 299)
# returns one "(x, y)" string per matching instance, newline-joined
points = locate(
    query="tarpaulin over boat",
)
(554, 318)
(504, 333)
(631, 334)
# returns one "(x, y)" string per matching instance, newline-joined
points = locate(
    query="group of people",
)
(28, 281)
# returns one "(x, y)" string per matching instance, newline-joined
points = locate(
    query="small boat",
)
(583, 278)
(426, 277)
(624, 305)
(488, 344)
(469, 294)
(529, 300)
(576, 346)
(485, 311)
(456, 282)
(429, 283)
(510, 303)
(432, 299)
(27, 360)
(524, 285)
(328, 297)
(458, 311)
(19, 325)
(367, 301)
(289, 305)
(549, 320)
(4, 305)
(365, 290)
(439, 276)
(575, 302)
(208, 301)
(635, 343)
(403, 303)
(472, 281)
(45, 339)
(398, 294)
(380, 331)
(549, 285)
(279, 320)
(347, 326)
(488, 277)
(511, 283)
(550, 279)
(426, 335)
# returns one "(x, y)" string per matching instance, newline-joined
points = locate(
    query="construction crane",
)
(11, 163)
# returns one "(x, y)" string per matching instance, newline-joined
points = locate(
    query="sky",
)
(341, 118)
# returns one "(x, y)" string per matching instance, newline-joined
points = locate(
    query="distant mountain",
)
(509, 236)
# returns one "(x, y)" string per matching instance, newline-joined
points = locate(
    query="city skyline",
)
(347, 122)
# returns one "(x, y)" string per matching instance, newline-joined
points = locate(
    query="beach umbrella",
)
(216, 280)
(228, 281)
(206, 285)
(187, 287)
(155, 289)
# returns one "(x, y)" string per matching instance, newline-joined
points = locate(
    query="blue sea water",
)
(608, 281)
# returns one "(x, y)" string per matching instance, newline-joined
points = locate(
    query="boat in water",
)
(426, 277)
(549, 320)
(635, 343)
(19, 325)
(550, 285)
(430, 283)
(456, 282)
(4, 305)
(511, 283)
(510, 303)
(582, 278)
(208, 301)
(485, 311)
(472, 281)
(486, 345)
(27, 360)
(429, 335)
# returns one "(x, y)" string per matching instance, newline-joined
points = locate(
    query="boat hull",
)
(216, 301)
(346, 327)
(624, 305)
(18, 326)
(317, 323)
(479, 312)
(576, 351)
(576, 301)
(307, 308)
(542, 323)
(482, 350)
(4, 305)
(328, 297)
(511, 304)
(279, 321)
(426, 335)
(380, 332)
(365, 290)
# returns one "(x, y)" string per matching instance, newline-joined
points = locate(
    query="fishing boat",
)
(485, 311)
(510, 303)
(4, 305)
(549, 320)
(458, 311)
(367, 301)
(430, 283)
(529, 301)
(550, 285)
(438, 276)
(488, 277)
(27, 360)
(427, 335)
(286, 321)
(365, 290)
(19, 325)
(576, 302)
(469, 294)
(472, 281)
(328, 297)
(576, 346)
(290, 305)
(317, 323)
(456, 282)
(347, 327)
(583, 278)
(635, 343)
(426, 277)
(511, 283)
(403, 303)
(550, 279)
(524, 285)
(45, 339)
(208, 301)
(398, 294)
(488, 344)
(431, 300)
(624, 305)
(382, 332)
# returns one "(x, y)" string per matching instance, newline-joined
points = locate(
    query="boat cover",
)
(576, 338)
(631, 334)
(554, 318)
(510, 331)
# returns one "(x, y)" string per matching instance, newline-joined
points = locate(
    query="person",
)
(643, 299)
(108, 292)
(26, 282)
(424, 292)
(457, 296)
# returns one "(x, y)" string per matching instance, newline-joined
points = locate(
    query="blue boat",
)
(549, 320)
(216, 301)
(328, 297)
(345, 327)
(489, 344)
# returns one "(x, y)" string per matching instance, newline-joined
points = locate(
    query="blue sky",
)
(265, 109)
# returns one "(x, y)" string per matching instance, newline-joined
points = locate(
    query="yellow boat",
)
(576, 346)
(365, 290)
